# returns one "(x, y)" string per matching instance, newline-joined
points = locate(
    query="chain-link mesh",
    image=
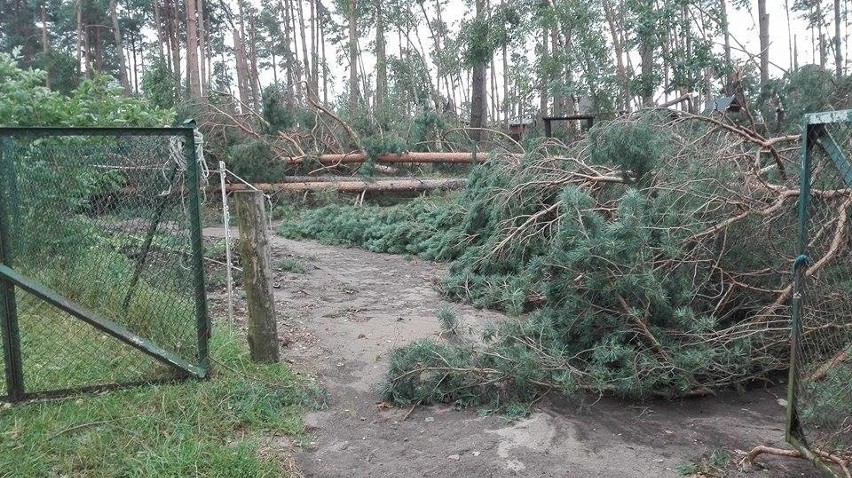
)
(109, 222)
(821, 417)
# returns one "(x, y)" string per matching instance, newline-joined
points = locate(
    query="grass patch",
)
(289, 264)
(242, 422)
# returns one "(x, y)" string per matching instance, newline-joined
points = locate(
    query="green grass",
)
(241, 422)
(289, 264)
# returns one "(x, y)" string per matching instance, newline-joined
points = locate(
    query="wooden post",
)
(254, 257)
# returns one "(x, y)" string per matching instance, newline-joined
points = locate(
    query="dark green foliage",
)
(278, 109)
(256, 162)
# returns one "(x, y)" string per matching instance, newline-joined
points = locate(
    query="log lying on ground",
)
(429, 157)
(354, 186)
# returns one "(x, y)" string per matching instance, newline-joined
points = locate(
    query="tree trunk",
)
(192, 51)
(353, 58)
(763, 21)
(355, 186)
(838, 54)
(822, 49)
(305, 56)
(647, 40)
(257, 274)
(242, 69)
(618, 46)
(202, 50)
(381, 61)
(45, 45)
(119, 48)
(726, 32)
(79, 45)
(789, 35)
(544, 77)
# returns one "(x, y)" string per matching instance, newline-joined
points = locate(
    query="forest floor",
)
(343, 310)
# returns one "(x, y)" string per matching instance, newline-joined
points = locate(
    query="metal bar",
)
(102, 388)
(14, 367)
(26, 131)
(226, 221)
(97, 321)
(201, 316)
(810, 456)
(841, 162)
(841, 116)
(793, 428)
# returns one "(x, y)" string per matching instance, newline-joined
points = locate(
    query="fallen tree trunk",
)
(398, 185)
(429, 157)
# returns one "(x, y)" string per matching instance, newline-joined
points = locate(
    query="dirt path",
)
(350, 308)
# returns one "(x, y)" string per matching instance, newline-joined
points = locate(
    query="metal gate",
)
(819, 413)
(101, 273)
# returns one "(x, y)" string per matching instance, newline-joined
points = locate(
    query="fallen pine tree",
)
(358, 186)
(652, 259)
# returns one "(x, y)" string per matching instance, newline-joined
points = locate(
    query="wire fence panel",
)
(101, 258)
(820, 402)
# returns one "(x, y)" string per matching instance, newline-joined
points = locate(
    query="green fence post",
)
(792, 429)
(14, 368)
(202, 319)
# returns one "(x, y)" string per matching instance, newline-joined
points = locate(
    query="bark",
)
(119, 47)
(79, 45)
(412, 157)
(790, 37)
(45, 45)
(353, 58)
(478, 103)
(544, 78)
(254, 257)
(202, 49)
(647, 42)
(838, 53)
(763, 22)
(381, 60)
(398, 185)
(822, 50)
(726, 32)
(618, 46)
(305, 57)
(242, 68)
(192, 50)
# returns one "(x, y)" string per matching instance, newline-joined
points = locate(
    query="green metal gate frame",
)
(814, 134)
(10, 279)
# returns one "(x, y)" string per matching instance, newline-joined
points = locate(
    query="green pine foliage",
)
(620, 286)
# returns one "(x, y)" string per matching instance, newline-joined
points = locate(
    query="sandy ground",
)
(351, 308)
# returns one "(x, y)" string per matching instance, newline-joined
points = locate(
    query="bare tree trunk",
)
(174, 38)
(822, 50)
(544, 78)
(202, 49)
(79, 45)
(353, 58)
(242, 68)
(305, 57)
(789, 34)
(646, 52)
(254, 254)
(381, 62)
(763, 22)
(192, 51)
(324, 66)
(618, 46)
(314, 49)
(478, 104)
(119, 47)
(726, 32)
(45, 46)
(838, 55)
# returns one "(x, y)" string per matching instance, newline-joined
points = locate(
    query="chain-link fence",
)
(102, 275)
(820, 401)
